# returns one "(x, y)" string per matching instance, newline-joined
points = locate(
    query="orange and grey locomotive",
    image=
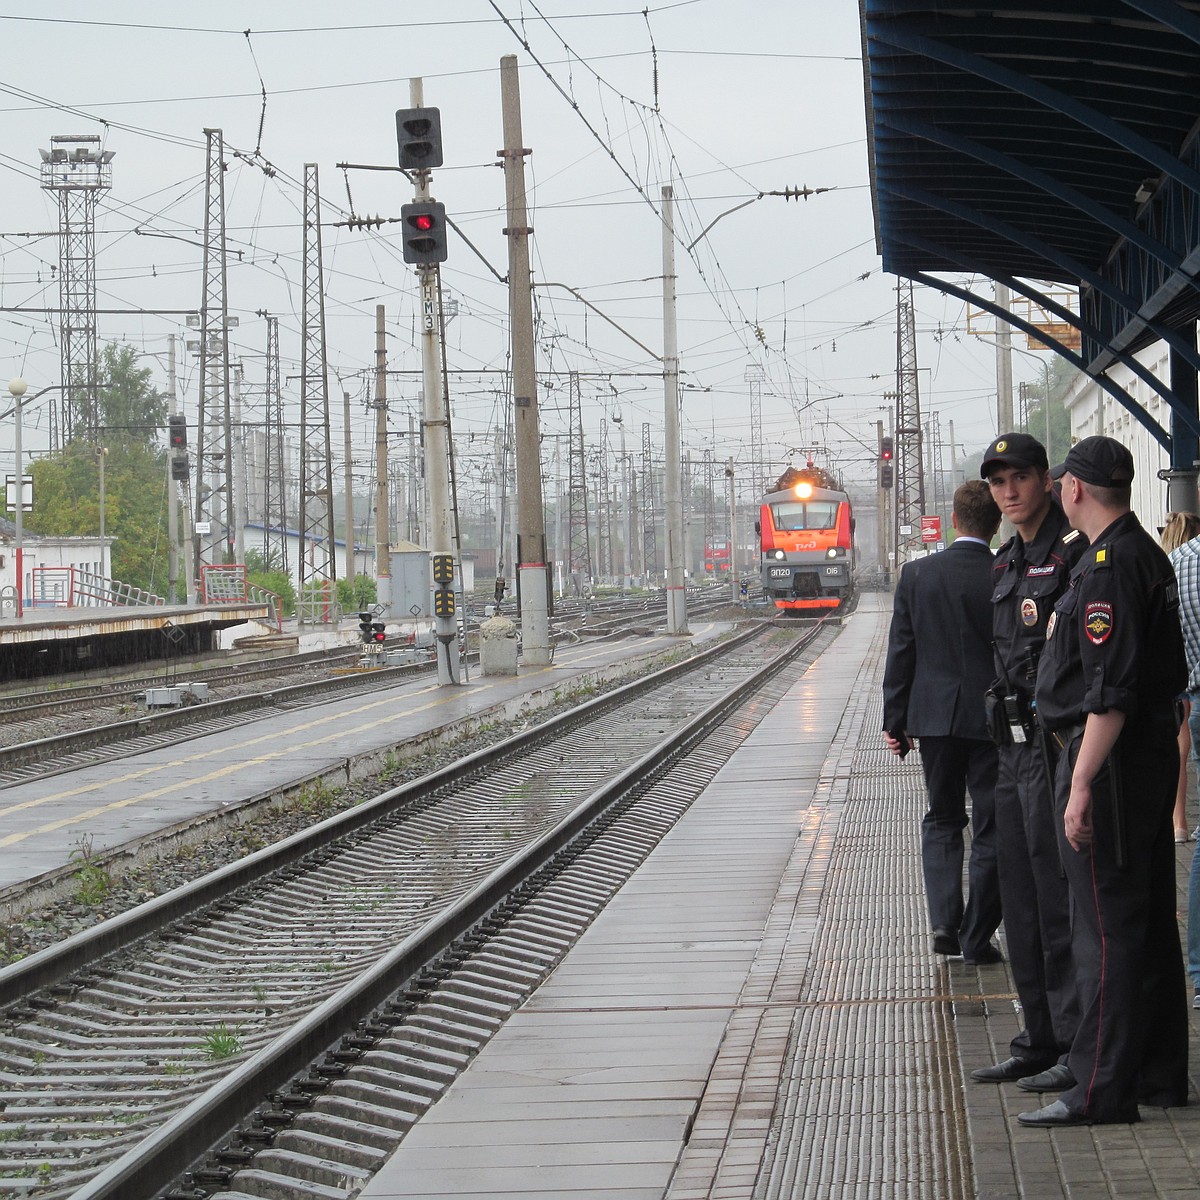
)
(806, 532)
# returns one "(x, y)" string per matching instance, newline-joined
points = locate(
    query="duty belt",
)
(1066, 735)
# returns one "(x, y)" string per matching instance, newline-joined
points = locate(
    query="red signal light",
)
(422, 221)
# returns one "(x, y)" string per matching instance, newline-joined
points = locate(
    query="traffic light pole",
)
(531, 528)
(435, 426)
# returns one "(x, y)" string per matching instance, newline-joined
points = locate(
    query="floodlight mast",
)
(76, 170)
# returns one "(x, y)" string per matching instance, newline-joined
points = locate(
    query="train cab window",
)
(815, 514)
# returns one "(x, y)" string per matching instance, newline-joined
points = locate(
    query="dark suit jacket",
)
(939, 661)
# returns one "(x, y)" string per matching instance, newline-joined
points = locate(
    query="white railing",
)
(73, 587)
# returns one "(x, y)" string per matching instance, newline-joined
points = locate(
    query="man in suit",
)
(939, 665)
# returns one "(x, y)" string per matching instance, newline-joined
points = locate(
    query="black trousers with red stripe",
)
(1131, 1045)
(1037, 905)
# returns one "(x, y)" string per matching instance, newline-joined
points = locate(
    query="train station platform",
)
(131, 800)
(758, 1014)
(57, 640)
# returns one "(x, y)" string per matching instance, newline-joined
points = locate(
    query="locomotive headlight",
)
(778, 553)
(832, 552)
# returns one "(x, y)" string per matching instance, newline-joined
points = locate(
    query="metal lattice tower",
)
(710, 484)
(214, 527)
(754, 375)
(605, 508)
(910, 469)
(650, 568)
(579, 536)
(77, 171)
(317, 571)
(274, 468)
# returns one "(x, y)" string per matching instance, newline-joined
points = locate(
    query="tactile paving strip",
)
(841, 1058)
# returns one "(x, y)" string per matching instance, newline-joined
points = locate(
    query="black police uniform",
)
(1029, 579)
(1114, 642)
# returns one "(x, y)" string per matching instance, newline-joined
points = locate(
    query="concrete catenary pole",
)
(383, 532)
(531, 530)
(436, 427)
(734, 586)
(348, 498)
(881, 509)
(1004, 395)
(672, 478)
(172, 487)
(189, 561)
(237, 447)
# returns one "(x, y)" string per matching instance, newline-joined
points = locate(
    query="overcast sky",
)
(725, 100)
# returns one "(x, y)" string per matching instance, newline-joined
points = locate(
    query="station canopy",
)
(1048, 147)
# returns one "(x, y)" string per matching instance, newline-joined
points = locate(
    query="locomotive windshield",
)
(795, 515)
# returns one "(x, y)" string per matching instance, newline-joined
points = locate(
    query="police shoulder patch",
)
(1098, 621)
(1069, 537)
(1102, 556)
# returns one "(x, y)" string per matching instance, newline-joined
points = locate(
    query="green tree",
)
(362, 594)
(1060, 375)
(269, 574)
(130, 410)
(131, 414)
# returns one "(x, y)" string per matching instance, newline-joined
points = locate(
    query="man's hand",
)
(1077, 819)
(899, 746)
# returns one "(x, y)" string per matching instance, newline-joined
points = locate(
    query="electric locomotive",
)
(806, 540)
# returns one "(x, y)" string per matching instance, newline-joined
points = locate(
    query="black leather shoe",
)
(1009, 1070)
(1055, 1079)
(985, 956)
(945, 941)
(1053, 1116)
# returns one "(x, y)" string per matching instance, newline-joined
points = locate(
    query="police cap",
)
(1014, 450)
(1098, 460)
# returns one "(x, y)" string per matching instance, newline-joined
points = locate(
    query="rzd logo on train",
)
(1098, 621)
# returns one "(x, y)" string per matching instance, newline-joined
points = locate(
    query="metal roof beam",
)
(1099, 283)
(1118, 393)
(1171, 15)
(1115, 132)
(1180, 410)
(1033, 176)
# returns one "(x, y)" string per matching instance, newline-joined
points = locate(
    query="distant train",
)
(806, 539)
(716, 557)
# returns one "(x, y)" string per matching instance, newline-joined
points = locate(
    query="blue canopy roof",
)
(1054, 142)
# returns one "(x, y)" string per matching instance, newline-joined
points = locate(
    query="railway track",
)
(298, 1010)
(54, 754)
(22, 703)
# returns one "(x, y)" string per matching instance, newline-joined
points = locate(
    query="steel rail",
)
(144, 1171)
(76, 953)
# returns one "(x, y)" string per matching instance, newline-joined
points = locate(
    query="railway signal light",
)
(177, 430)
(886, 454)
(424, 226)
(378, 633)
(179, 470)
(419, 138)
(364, 627)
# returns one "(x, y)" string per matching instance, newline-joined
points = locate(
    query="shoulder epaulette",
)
(1070, 536)
(1102, 555)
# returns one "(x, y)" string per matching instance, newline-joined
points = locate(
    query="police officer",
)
(1030, 572)
(1107, 681)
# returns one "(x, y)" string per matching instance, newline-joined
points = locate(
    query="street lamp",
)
(17, 389)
